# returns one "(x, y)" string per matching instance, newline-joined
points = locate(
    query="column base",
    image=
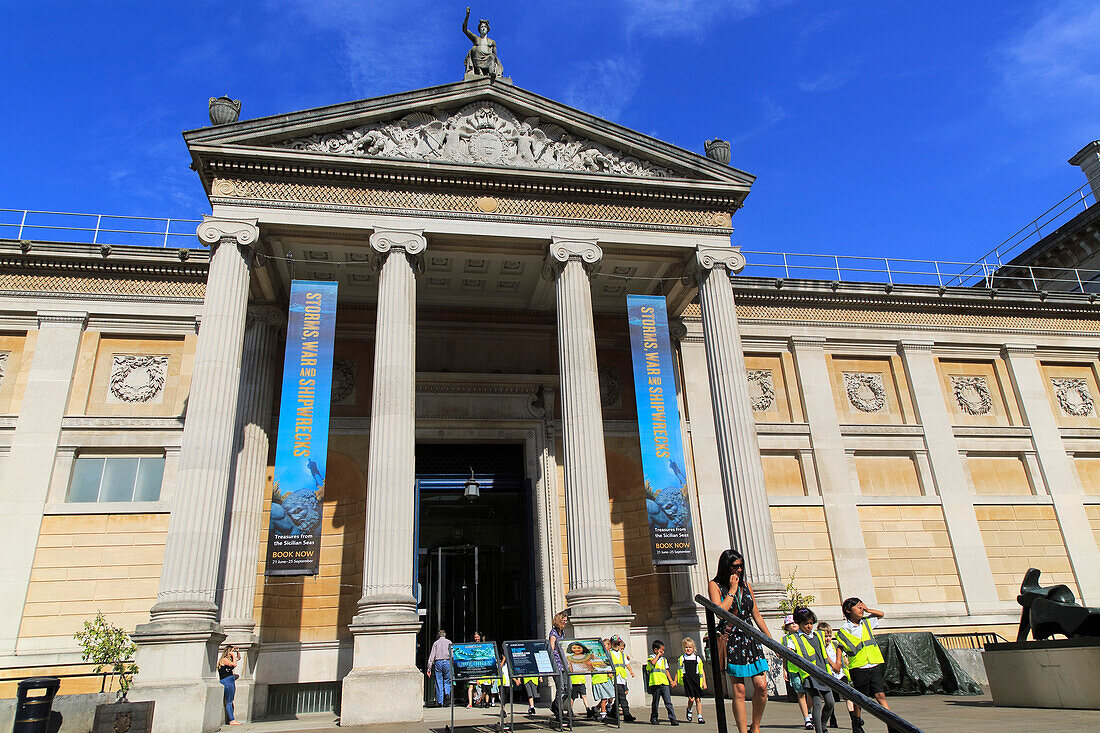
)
(384, 685)
(238, 632)
(177, 669)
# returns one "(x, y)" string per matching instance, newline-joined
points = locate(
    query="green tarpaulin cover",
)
(918, 664)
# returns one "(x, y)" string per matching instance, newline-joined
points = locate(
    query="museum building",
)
(919, 446)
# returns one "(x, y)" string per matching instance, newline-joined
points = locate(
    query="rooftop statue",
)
(481, 60)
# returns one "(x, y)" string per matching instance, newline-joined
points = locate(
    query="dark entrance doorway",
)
(474, 556)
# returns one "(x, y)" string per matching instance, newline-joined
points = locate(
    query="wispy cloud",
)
(665, 18)
(771, 113)
(603, 88)
(387, 44)
(1050, 73)
(828, 81)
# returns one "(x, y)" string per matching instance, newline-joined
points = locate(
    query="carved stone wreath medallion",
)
(611, 391)
(865, 391)
(1073, 396)
(972, 394)
(761, 389)
(3, 365)
(137, 378)
(343, 382)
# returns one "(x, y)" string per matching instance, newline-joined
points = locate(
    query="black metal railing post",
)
(716, 672)
(894, 722)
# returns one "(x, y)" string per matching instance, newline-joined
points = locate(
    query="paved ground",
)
(931, 713)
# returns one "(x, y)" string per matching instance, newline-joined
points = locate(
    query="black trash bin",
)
(32, 713)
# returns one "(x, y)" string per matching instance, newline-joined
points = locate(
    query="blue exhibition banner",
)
(294, 535)
(666, 490)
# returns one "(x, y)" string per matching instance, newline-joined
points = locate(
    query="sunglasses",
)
(739, 566)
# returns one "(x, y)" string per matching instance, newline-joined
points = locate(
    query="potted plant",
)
(794, 598)
(111, 650)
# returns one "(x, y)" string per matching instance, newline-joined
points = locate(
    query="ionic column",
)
(177, 649)
(1057, 468)
(747, 512)
(593, 597)
(384, 685)
(254, 404)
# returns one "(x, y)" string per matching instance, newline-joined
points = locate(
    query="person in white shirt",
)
(439, 662)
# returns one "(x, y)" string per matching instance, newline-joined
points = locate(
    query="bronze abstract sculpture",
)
(1053, 610)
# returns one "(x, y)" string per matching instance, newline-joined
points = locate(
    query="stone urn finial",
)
(224, 110)
(718, 150)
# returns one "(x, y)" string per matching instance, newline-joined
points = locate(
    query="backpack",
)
(648, 669)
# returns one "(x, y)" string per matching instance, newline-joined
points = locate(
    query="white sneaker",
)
(700, 721)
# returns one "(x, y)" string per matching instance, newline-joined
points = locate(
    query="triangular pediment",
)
(480, 124)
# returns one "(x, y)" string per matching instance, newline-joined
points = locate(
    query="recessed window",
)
(116, 478)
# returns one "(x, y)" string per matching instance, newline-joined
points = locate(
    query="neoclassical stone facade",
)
(918, 447)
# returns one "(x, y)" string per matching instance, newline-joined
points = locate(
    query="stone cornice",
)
(62, 318)
(87, 258)
(217, 230)
(1019, 350)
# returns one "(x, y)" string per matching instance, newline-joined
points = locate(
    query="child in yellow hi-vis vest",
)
(617, 649)
(530, 685)
(865, 662)
(833, 654)
(790, 670)
(660, 682)
(811, 647)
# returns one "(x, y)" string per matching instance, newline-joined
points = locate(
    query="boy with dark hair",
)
(865, 662)
(811, 647)
(660, 683)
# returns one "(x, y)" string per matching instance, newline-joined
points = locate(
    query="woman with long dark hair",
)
(744, 657)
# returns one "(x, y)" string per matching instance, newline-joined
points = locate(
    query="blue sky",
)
(925, 130)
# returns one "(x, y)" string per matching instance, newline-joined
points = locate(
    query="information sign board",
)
(475, 660)
(529, 658)
(586, 656)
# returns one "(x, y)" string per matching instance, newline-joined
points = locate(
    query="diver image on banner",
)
(665, 481)
(301, 450)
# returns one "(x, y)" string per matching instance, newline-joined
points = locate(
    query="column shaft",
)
(1057, 468)
(33, 448)
(747, 513)
(192, 552)
(593, 597)
(254, 405)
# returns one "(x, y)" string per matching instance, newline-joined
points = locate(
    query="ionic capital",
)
(410, 241)
(708, 257)
(215, 230)
(586, 250)
(266, 314)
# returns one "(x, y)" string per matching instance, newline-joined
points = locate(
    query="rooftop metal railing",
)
(894, 722)
(899, 271)
(64, 226)
(989, 272)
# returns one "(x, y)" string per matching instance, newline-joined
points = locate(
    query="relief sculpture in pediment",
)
(482, 133)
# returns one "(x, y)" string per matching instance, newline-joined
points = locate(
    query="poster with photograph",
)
(529, 658)
(586, 656)
(475, 660)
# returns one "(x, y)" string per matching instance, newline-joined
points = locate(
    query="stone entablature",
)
(466, 205)
(480, 133)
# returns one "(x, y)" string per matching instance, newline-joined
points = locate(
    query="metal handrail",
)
(79, 225)
(969, 639)
(893, 721)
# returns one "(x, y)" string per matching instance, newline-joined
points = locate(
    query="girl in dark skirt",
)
(744, 658)
(691, 678)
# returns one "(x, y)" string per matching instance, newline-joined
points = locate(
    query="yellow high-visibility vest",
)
(813, 651)
(658, 672)
(619, 660)
(862, 650)
(792, 668)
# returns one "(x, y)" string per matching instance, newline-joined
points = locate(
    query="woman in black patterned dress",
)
(744, 657)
